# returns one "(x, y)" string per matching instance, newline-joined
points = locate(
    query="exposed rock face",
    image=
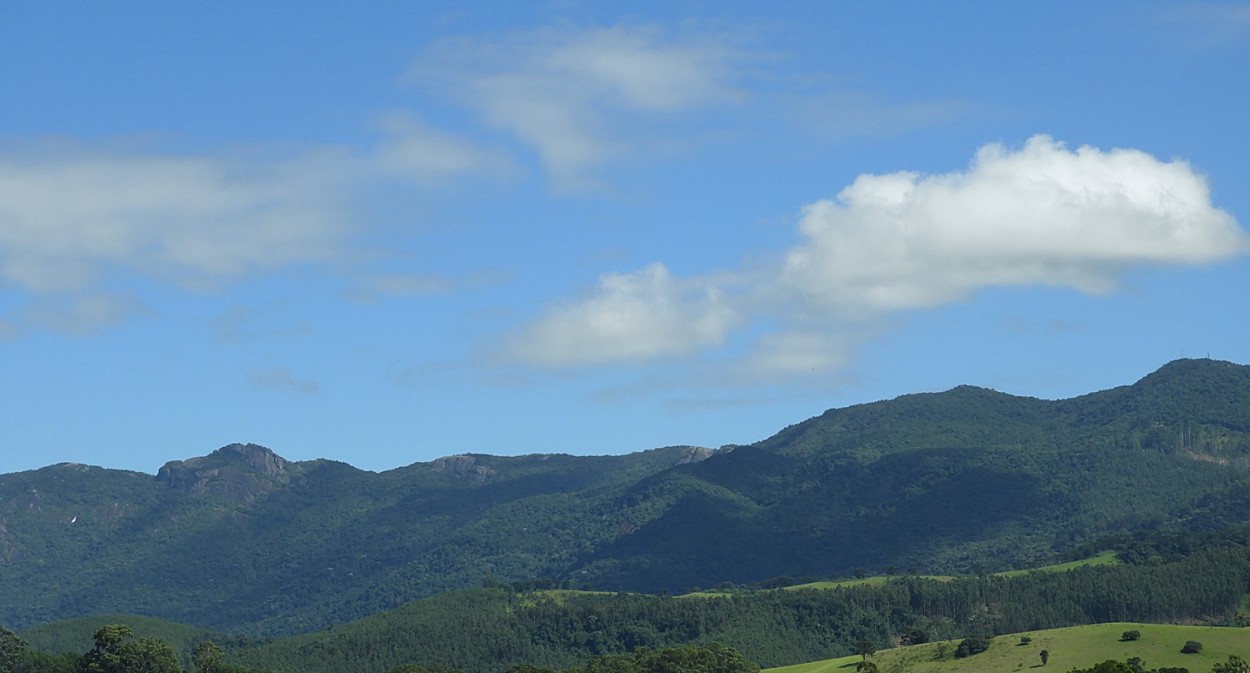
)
(240, 472)
(695, 454)
(463, 467)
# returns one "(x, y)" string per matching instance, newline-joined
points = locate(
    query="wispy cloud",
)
(414, 150)
(76, 218)
(839, 114)
(1042, 214)
(82, 314)
(1207, 24)
(281, 379)
(583, 98)
(69, 216)
(579, 97)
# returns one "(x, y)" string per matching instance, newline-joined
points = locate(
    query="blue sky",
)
(386, 232)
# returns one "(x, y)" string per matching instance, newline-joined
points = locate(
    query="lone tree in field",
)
(865, 649)
(1191, 647)
(972, 645)
(1045, 655)
(1130, 635)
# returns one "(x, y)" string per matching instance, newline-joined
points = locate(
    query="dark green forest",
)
(1201, 578)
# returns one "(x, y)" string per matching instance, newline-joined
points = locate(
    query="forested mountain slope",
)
(242, 539)
(1174, 578)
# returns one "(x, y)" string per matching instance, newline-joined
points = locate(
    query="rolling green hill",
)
(1068, 648)
(965, 480)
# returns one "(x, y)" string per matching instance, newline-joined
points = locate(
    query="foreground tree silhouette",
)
(118, 651)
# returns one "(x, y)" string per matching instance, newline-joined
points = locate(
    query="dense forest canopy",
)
(1168, 578)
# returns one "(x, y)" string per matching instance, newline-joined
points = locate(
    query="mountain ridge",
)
(244, 539)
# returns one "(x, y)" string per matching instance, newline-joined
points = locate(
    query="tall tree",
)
(12, 647)
(207, 657)
(118, 651)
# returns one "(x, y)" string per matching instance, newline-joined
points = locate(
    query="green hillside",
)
(964, 481)
(1068, 648)
(489, 630)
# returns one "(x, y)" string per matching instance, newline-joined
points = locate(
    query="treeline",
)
(116, 649)
(546, 626)
(491, 629)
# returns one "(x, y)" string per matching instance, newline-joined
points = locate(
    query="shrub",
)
(913, 637)
(1131, 635)
(972, 645)
(1191, 647)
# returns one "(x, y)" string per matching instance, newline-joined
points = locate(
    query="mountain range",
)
(968, 479)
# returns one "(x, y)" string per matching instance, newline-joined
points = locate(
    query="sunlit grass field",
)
(1072, 647)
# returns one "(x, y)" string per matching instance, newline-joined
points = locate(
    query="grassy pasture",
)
(1071, 647)
(1105, 558)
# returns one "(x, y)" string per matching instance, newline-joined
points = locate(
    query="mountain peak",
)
(240, 472)
(255, 456)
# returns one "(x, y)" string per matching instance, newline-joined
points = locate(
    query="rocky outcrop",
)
(695, 454)
(238, 472)
(464, 467)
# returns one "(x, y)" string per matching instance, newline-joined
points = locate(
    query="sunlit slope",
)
(1068, 648)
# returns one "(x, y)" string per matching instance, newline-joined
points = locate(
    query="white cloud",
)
(630, 318)
(68, 218)
(578, 97)
(1039, 215)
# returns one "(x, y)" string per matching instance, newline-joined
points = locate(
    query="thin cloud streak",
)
(281, 379)
(578, 96)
